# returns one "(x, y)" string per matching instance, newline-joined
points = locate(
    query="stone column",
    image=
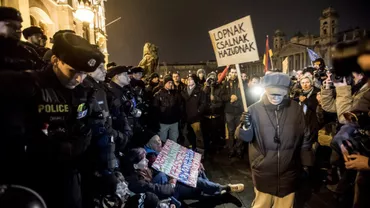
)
(305, 58)
(294, 65)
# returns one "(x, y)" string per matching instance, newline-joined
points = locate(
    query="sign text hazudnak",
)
(235, 42)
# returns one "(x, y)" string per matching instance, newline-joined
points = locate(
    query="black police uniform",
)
(14, 55)
(58, 134)
(100, 161)
(57, 128)
(120, 105)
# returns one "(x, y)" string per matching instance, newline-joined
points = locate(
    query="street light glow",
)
(84, 13)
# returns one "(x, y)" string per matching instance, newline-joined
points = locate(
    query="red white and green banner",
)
(179, 162)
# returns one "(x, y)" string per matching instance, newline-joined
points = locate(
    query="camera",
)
(295, 93)
(360, 139)
(320, 73)
(211, 78)
(334, 77)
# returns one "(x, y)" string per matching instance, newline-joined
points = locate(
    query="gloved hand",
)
(245, 120)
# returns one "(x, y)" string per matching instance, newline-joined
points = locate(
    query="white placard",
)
(234, 43)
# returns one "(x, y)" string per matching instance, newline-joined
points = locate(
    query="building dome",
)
(279, 33)
(328, 12)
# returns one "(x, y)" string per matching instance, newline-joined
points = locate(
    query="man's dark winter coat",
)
(195, 104)
(229, 88)
(277, 158)
(168, 105)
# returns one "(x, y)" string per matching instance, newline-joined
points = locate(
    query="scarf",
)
(190, 90)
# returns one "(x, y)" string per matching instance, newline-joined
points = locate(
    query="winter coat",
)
(140, 181)
(180, 87)
(229, 88)
(309, 107)
(344, 101)
(214, 107)
(168, 106)
(277, 156)
(15, 55)
(195, 104)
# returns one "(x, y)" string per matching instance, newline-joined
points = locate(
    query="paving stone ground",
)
(222, 170)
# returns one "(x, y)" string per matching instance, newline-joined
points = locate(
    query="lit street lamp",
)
(84, 13)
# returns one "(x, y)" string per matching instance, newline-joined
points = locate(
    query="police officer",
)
(34, 36)
(101, 162)
(59, 126)
(14, 55)
(121, 100)
(137, 74)
(49, 53)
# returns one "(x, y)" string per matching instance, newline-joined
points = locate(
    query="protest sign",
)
(178, 162)
(234, 43)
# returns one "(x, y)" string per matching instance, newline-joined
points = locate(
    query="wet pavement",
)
(223, 170)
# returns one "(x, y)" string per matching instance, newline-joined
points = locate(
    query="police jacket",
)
(60, 128)
(35, 49)
(106, 140)
(229, 88)
(119, 107)
(14, 55)
(57, 130)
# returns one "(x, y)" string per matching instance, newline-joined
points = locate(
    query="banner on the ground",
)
(234, 43)
(179, 162)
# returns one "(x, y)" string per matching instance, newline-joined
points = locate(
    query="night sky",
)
(180, 27)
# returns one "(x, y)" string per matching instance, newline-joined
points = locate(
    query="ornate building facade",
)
(85, 17)
(296, 47)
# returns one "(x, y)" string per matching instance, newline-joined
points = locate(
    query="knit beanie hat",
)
(194, 77)
(201, 71)
(167, 78)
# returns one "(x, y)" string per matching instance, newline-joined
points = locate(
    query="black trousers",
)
(232, 122)
(213, 131)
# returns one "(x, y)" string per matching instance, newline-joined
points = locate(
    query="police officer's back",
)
(59, 131)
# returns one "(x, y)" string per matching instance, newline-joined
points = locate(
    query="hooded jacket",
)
(279, 146)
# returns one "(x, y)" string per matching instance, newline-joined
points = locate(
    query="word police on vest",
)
(54, 108)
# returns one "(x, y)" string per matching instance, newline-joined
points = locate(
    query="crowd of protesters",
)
(75, 134)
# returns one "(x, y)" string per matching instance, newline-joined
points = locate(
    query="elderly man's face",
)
(275, 96)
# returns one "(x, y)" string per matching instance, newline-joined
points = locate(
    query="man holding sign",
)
(279, 144)
(234, 43)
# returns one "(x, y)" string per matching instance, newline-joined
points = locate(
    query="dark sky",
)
(180, 27)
